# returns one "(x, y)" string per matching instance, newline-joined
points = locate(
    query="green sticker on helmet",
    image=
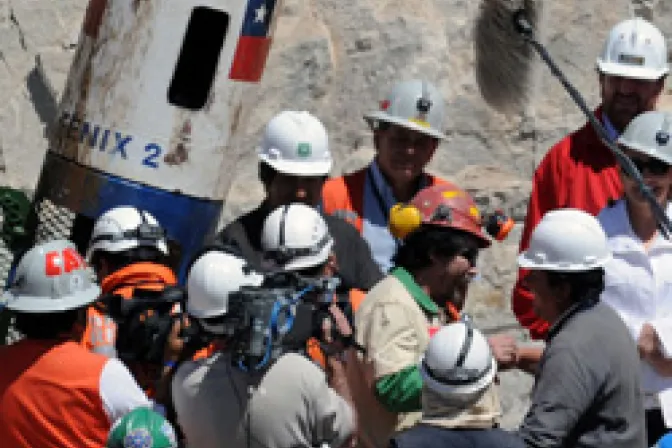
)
(304, 149)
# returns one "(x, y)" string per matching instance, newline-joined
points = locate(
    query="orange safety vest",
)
(344, 196)
(100, 332)
(50, 396)
(356, 296)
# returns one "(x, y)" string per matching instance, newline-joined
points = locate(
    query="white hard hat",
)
(296, 237)
(51, 277)
(649, 133)
(212, 277)
(635, 49)
(415, 105)
(458, 361)
(566, 240)
(124, 228)
(296, 143)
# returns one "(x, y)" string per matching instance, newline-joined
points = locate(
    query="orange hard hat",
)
(444, 205)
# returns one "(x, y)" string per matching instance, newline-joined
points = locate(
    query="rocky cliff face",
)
(337, 59)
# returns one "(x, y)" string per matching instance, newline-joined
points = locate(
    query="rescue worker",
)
(580, 171)
(587, 391)
(53, 391)
(142, 428)
(294, 162)
(638, 282)
(434, 267)
(128, 251)
(457, 369)
(406, 133)
(289, 403)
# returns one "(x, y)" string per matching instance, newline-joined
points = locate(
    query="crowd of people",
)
(373, 349)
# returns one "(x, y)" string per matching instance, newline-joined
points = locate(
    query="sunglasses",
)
(653, 166)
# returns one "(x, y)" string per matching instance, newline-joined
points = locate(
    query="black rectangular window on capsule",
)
(197, 63)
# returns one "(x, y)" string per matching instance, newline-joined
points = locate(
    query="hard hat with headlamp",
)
(447, 205)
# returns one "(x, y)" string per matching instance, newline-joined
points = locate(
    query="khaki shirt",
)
(393, 325)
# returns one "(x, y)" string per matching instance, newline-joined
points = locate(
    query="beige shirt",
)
(394, 330)
(292, 405)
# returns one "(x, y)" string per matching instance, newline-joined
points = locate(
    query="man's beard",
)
(621, 115)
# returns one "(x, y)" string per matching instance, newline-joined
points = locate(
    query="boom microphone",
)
(526, 31)
(504, 62)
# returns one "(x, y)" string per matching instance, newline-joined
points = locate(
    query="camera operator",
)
(295, 238)
(221, 401)
(128, 251)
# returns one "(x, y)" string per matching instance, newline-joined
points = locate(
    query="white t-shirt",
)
(119, 391)
(292, 405)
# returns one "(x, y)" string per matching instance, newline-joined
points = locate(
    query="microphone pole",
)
(524, 28)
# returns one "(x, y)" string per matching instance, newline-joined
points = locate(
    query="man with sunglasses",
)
(580, 171)
(442, 236)
(638, 279)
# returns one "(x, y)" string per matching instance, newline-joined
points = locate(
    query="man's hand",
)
(648, 343)
(335, 330)
(174, 343)
(504, 349)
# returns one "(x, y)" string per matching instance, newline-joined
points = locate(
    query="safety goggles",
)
(652, 166)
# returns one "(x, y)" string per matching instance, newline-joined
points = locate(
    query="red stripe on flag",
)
(94, 17)
(250, 58)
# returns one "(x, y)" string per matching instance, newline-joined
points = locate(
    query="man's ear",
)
(331, 266)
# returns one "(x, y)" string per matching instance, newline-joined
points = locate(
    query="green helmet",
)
(142, 428)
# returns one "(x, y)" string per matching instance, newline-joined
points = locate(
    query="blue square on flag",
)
(254, 42)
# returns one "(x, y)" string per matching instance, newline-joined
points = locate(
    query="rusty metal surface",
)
(115, 115)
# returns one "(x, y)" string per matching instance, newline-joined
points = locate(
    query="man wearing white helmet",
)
(587, 391)
(128, 251)
(294, 162)
(580, 171)
(638, 279)
(54, 392)
(219, 402)
(407, 130)
(457, 369)
(295, 238)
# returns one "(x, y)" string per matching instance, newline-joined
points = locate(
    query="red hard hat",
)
(444, 205)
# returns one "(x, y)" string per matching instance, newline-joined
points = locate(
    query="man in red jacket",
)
(580, 171)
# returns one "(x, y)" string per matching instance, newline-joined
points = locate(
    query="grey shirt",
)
(290, 405)
(587, 391)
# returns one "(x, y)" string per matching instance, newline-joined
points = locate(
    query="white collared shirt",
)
(638, 285)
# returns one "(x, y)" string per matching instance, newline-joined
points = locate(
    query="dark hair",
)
(266, 173)
(427, 241)
(586, 285)
(45, 325)
(119, 260)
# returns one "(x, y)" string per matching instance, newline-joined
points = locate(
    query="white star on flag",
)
(261, 13)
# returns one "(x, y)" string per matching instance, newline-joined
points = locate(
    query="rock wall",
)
(337, 59)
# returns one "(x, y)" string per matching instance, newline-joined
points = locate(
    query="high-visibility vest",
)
(50, 396)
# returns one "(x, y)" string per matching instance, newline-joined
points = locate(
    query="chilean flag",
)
(254, 43)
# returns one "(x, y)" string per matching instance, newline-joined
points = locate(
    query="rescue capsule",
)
(154, 101)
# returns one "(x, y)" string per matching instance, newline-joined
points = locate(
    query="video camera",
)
(144, 322)
(279, 316)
